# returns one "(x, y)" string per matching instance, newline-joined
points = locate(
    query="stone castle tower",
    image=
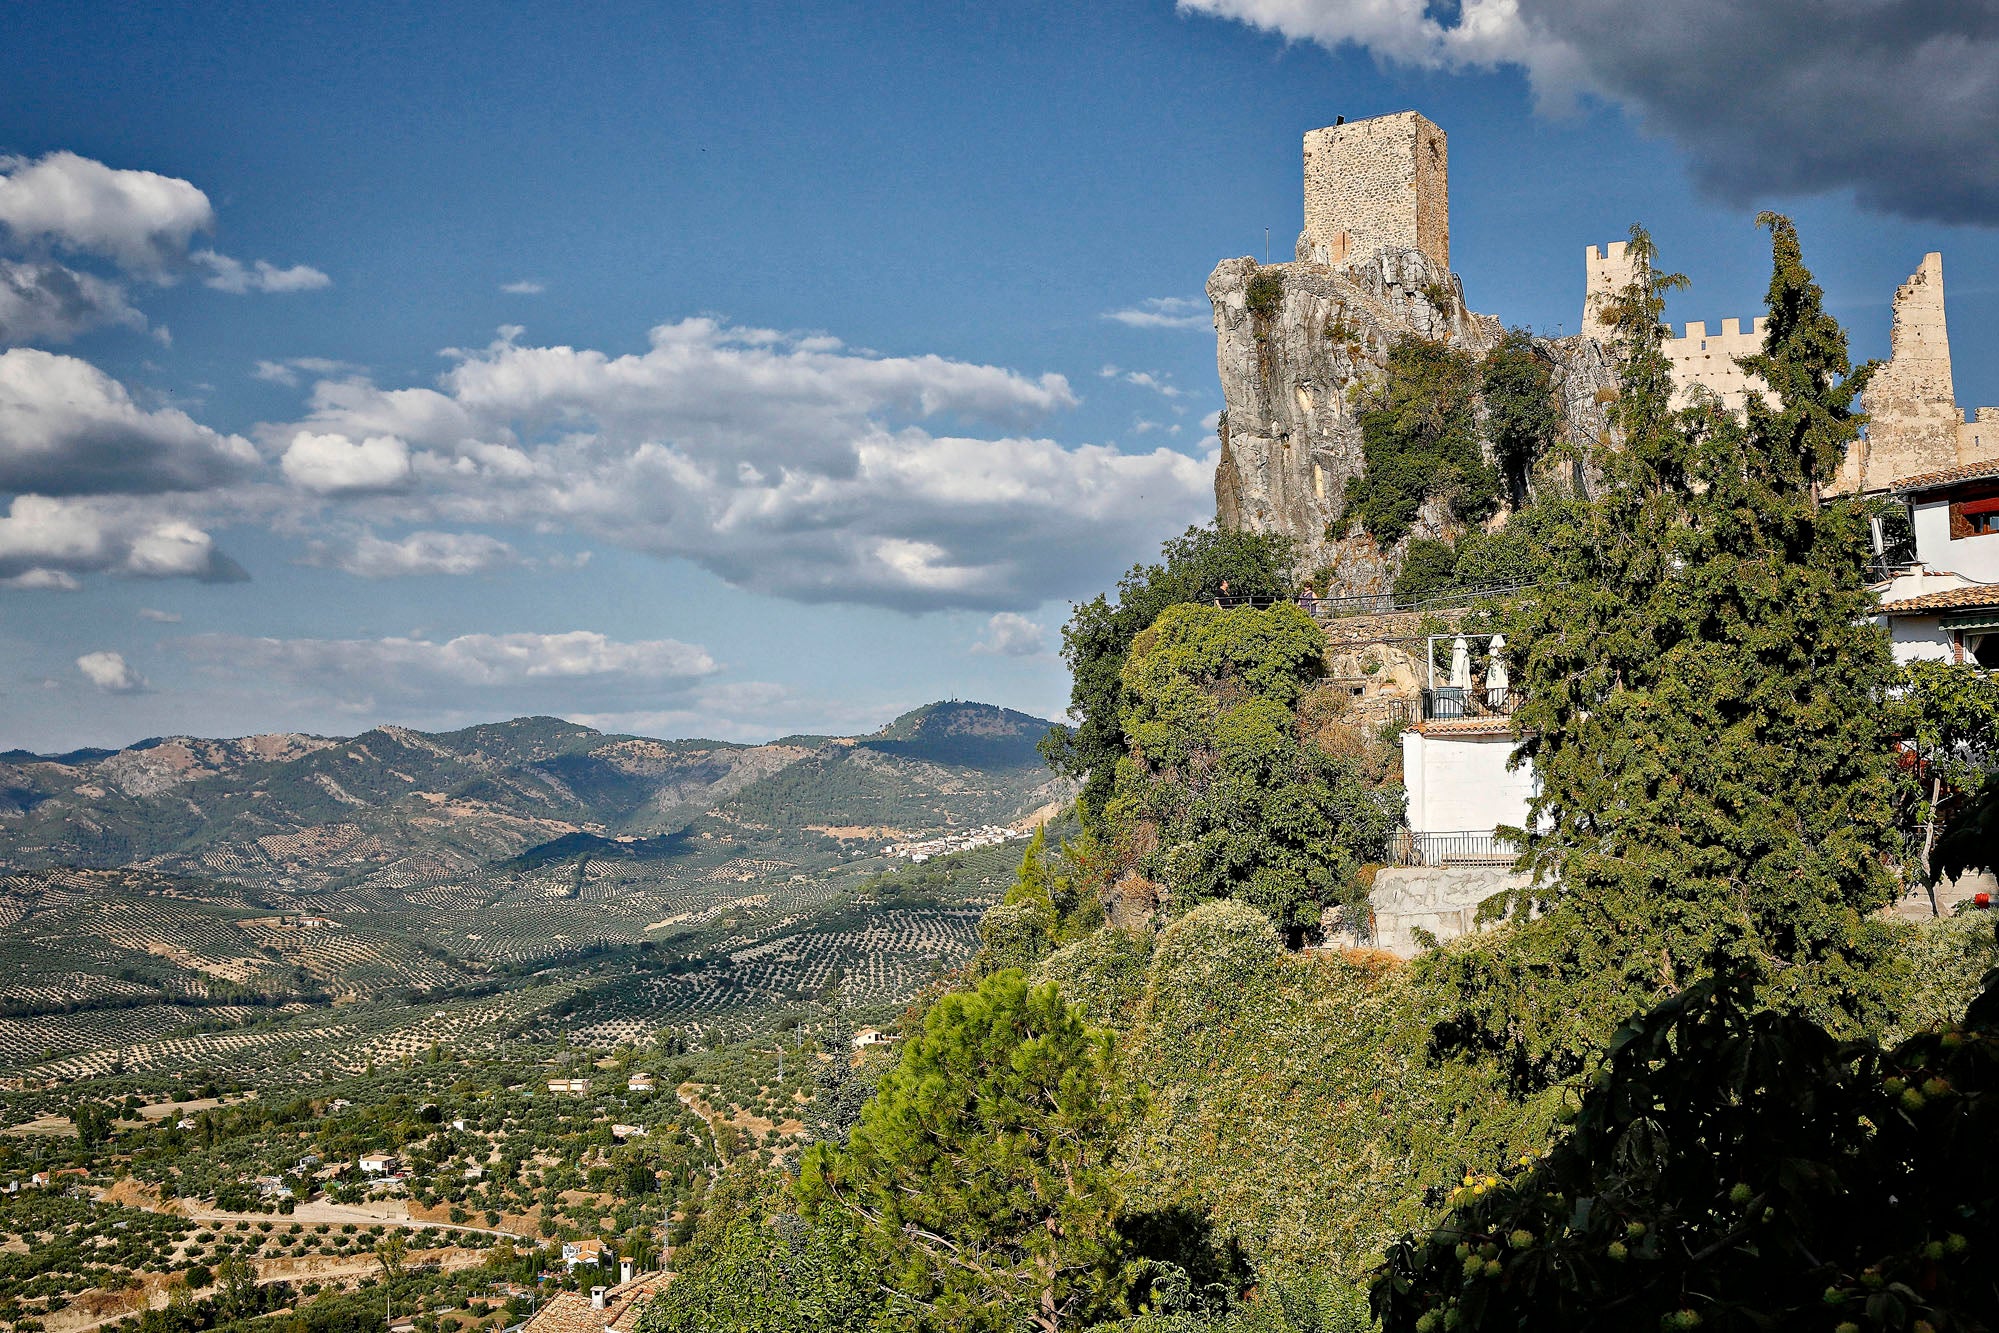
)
(1375, 184)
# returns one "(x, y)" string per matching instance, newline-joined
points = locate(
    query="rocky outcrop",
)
(1297, 346)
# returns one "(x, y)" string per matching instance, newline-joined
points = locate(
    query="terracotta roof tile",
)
(1952, 599)
(571, 1311)
(1947, 476)
(1462, 726)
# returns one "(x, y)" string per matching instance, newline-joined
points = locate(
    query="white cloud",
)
(416, 668)
(111, 673)
(140, 220)
(791, 466)
(1897, 102)
(372, 557)
(43, 301)
(45, 580)
(159, 617)
(67, 428)
(232, 275)
(1165, 312)
(42, 537)
(1010, 634)
(336, 465)
(525, 287)
(289, 370)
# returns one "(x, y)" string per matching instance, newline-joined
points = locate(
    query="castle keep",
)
(1376, 184)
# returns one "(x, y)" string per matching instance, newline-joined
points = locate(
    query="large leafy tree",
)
(1229, 789)
(1705, 707)
(982, 1169)
(1736, 1168)
(1200, 565)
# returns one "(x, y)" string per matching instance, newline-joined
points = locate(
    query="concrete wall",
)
(1460, 783)
(1977, 558)
(1443, 902)
(1377, 183)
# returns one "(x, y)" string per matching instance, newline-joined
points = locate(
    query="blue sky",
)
(741, 369)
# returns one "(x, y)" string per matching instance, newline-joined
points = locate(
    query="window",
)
(1974, 518)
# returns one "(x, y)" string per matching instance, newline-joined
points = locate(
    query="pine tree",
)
(982, 1168)
(1705, 707)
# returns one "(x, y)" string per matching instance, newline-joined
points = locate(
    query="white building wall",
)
(1460, 783)
(1977, 558)
(1919, 639)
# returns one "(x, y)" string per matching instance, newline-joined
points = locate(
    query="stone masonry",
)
(1377, 184)
(1699, 358)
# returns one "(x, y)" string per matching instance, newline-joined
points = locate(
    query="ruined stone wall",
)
(1911, 403)
(1375, 184)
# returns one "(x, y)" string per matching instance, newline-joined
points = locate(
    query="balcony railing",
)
(1467, 847)
(1450, 703)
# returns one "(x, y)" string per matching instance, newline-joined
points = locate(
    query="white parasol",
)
(1460, 664)
(1496, 682)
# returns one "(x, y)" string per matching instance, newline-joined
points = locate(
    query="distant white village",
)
(990, 836)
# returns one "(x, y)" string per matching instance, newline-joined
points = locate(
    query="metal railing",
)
(1378, 603)
(1467, 847)
(1449, 703)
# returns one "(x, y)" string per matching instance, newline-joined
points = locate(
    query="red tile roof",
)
(1928, 481)
(1953, 599)
(571, 1311)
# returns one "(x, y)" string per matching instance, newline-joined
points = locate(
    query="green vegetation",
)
(1420, 438)
(1228, 790)
(1200, 565)
(982, 1165)
(1735, 1167)
(1265, 293)
(1705, 712)
(1523, 418)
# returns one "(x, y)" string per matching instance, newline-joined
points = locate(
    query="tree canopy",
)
(1230, 789)
(1200, 565)
(982, 1168)
(1705, 707)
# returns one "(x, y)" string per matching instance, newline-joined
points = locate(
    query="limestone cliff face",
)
(1294, 364)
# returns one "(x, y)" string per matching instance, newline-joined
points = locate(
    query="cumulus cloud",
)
(1165, 312)
(525, 287)
(372, 557)
(159, 617)
(232, 275)
(48, 538)
(336, 465)
(1895, 100)
(141, 221)
(420, 669)
(787, 465)
(111, 673)
(49, 302)
(67, 428)
(1010, 634)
